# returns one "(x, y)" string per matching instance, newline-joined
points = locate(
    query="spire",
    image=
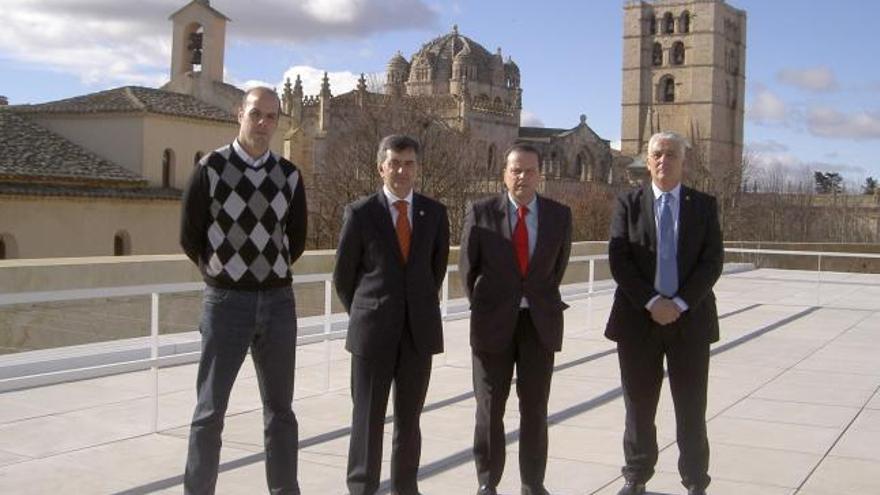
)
(298, 87)
(455, 29)
(325, 86)
(287, 97)
(362, 83)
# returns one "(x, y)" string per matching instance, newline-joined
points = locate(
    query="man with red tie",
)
(514, 252)
(390, 264)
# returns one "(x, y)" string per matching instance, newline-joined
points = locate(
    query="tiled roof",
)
(30, 150)
(132, 99)
(37, 189)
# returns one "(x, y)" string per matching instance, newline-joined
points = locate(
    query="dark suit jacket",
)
(632, 255)
(492, 281)
(382, 294)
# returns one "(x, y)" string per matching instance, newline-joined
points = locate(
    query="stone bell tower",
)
(197, 48)
(684, 71)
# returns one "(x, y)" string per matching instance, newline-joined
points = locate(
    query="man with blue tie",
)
(666, 254)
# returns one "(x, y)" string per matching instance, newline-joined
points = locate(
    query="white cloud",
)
(766, 107)
(831, 123)
(529, 119)
(340, 81)
(768, 146)
(816, 79)
(120, 42)
(783, 171)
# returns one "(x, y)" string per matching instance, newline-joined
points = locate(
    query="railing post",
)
(444, 309)
(592, 275)
(154, 360)
(819, 281)
(328, 311)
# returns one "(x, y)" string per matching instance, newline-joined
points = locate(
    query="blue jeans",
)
(234, 321)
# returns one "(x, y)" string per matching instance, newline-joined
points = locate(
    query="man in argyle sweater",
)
(244, 223)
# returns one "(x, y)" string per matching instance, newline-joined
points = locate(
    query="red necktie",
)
(402, 227)
(521, 240)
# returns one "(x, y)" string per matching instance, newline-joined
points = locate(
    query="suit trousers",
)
(641, 367)
(234, 321)
(371, 380)
(492, 373)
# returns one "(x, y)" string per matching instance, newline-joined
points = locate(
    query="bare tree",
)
(449, 160)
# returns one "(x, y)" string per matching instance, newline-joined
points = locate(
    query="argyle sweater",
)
(244, 226)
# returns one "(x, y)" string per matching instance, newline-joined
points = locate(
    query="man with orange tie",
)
(514, 251)
(390, 265)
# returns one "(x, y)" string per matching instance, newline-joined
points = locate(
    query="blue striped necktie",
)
(667, 279)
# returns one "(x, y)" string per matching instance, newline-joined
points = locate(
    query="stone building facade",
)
(684, 71)
(464, 84)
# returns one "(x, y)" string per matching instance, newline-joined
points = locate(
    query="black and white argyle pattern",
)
(247, 242)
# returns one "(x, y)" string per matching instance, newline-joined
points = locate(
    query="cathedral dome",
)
(452, 47)
(398, 62)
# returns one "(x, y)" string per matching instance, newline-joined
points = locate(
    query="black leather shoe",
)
(632, 488)
(487, 490)
(694, 490)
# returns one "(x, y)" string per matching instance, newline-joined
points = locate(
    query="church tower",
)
(683, 71)
(197, 48)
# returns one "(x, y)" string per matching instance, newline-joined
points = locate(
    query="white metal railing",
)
(155, 361)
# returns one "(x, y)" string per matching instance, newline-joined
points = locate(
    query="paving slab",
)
(793, 408)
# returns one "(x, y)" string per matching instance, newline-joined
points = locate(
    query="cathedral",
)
(108, 167)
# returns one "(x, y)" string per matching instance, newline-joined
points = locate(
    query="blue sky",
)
(813, 84)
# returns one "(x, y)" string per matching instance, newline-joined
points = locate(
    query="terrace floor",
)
(794, 408)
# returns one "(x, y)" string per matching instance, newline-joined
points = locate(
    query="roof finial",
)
(455, 29)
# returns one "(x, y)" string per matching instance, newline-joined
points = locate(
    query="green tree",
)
(870, 186)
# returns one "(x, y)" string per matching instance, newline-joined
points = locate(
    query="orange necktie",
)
(402, 227)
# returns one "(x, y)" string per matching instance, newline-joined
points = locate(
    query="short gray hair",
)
(675, 137)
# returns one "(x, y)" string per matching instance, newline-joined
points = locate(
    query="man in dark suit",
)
(514, 251)
(390, 265)
(665, 255)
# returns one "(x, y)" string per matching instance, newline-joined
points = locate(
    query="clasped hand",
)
(664, 311)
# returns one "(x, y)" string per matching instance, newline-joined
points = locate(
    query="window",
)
(677, 53)
(666, 90)
(168, 168)
(8, 249)
(121, 244)
(657, 55)
(490, 158)
(668, 23)
(652, 25)
(684, 22)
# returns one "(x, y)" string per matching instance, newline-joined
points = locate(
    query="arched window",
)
(121, 244)
(684, 22)
(652, 25)
(657, 55)
(490, 158)
(168, 168)
(666, 89)
(8, 247)
(668, 23)
(677, 53)
(197, 158)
